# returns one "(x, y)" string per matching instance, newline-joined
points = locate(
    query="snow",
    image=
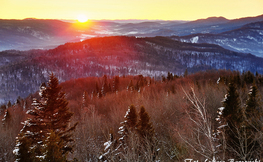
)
(222, 126)
(28, 132)
(221, 108)
(41, 157)
(15, 151)
(107, 145)
(236, 48)
(218, 80)
(194, 39)
(127, 113)
(4, 116)
(121, 127)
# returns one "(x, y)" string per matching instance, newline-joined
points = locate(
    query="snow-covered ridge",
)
(111, 56)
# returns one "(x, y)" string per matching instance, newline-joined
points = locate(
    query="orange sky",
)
(132, 9)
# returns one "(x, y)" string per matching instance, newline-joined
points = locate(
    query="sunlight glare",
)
(82, 18)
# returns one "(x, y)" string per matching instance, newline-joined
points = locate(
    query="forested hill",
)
(117, 55)
(181, 110)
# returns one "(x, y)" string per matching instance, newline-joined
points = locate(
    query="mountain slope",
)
(35, 33)
(118, 55)
(247, 39)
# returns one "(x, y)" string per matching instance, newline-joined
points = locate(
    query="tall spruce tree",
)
(240, 139)
(136, 139)
(115, 148)
(231, 104)
(50, 114)
(232, 118)
(254, 105)
(254, 124)
(146, 134)
(144, 126)
(129, 123)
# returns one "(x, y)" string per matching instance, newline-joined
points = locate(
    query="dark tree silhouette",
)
(144, 126)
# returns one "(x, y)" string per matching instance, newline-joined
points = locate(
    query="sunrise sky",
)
(129, 9)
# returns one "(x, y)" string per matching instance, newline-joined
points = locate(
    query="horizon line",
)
(62, 19)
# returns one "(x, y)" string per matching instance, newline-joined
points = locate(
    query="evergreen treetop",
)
(131, 117)
(231, 104)
(49, 114)
(144, 127)
(253, 103)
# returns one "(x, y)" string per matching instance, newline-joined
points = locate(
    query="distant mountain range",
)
(150, 48)
(247, 39)
(33, 33)
(237, 34)
(22, 72)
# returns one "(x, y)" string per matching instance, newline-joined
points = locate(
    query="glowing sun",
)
(82, 18)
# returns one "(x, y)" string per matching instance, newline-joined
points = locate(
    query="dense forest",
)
(21, 72)
(213, 115)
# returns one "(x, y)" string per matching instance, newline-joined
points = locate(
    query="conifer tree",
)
(50, 113)
(53, 148)
(128, 126)
(144, 127)
(116, 83)
(22, 151)
(9, 104)
(248, 77)
(136, 138)
(231, 104)
(253, 104)
(114, 148)
(170, 76)
(7, 120)
(130, 120)
(236, 132)
(254, 124)
(146, 134)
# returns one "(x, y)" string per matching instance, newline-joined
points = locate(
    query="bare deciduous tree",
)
(202, 139)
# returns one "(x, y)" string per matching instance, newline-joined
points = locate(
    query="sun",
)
(82, 18)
